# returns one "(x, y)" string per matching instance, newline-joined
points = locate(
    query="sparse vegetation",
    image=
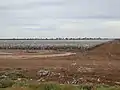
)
(15, 80)
(52, 86)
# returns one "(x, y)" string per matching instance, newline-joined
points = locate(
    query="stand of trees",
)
(85, 38)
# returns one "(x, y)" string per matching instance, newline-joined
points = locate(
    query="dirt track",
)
(100, 65)
(12, 56)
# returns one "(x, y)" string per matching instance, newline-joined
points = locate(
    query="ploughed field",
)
(100, 64)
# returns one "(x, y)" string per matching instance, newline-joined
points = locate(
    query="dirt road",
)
(18, 56)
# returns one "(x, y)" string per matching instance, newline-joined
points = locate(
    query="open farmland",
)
(99, 65)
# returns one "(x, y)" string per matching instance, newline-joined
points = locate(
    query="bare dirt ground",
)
(100, 65)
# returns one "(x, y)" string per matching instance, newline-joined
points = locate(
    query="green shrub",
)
(4, 83)
(48, 87)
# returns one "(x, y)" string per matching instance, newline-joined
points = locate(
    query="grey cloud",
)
(49, 15)
(34, 4)
(71, 9)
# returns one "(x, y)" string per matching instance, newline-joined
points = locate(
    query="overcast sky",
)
(59, 18)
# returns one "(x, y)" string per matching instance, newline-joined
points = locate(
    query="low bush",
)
(4, 83)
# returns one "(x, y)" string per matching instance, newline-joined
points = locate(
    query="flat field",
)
(100, 65)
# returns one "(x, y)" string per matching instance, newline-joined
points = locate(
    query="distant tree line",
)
(85, 38)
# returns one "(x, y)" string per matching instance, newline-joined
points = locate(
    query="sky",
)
(59, 18)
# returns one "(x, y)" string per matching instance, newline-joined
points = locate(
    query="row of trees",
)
(58, 39)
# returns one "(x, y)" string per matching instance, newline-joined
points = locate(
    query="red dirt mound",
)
(109, 51)
(109, 48)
